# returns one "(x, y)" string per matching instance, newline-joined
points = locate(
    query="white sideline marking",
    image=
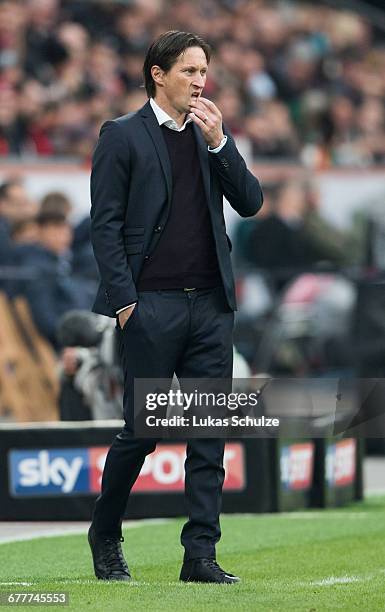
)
(298, 514)
(339, 580)
(58, 532)
(34, 536)
(331, 580)
(322, 515)
(16, 583)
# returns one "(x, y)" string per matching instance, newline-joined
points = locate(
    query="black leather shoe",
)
(205, 570)
(109, 562)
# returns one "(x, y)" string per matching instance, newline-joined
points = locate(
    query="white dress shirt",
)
(164, 118)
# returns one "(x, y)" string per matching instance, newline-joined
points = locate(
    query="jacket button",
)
(146, 257)
(158, 229)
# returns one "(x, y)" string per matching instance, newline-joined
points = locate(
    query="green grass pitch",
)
(306, 561)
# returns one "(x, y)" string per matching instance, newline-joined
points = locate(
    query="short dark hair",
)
(55, 201)
(51, 217)
(165, 51)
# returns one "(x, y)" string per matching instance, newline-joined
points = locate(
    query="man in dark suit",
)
(158, 180)
(47, 265)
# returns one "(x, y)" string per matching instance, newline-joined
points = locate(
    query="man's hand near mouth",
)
(209, 118)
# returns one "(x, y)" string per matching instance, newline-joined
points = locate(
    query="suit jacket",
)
(131, 190)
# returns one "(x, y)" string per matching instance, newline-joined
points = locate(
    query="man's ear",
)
(157, 74)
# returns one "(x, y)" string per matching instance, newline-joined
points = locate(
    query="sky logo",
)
(48, 472)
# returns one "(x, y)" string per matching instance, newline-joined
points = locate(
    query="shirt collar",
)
(164, 118)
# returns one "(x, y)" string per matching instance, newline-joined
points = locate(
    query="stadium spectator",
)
(83, 260)
(328, 243)
(242, 240)
(56, 202)
(290, 239)
(271, 133)
(25, 231)
(231, 104)
(53, 289)
(15, 206)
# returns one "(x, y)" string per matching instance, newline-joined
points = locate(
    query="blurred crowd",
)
(294, 305)
(290, 235)
(43, 258)
(49, 261)
(298, 81)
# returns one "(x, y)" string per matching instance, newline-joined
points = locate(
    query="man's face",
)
(17, 205)
(56, 237)
(185, 80)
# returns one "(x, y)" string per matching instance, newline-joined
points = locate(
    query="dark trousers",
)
(189, 334)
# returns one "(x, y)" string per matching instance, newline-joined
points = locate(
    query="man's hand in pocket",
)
(125, 315)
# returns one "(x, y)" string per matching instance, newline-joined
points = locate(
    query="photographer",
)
(90, 376)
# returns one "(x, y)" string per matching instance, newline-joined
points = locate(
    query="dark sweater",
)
(185, 255)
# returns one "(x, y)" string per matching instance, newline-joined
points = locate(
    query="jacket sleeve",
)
(240, 187)
(110, 178)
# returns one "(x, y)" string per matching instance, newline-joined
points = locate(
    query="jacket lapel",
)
(155, 132)
(203, 155)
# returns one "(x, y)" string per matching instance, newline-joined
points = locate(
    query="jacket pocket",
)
(130, 320)
(133, 231)
(134, 249)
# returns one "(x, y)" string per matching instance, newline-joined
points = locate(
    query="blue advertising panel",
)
(54, 471)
